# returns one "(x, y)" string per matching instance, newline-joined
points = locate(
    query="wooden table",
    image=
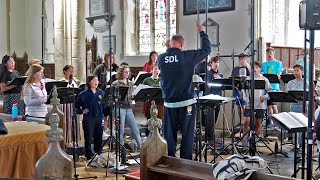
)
(21, 148)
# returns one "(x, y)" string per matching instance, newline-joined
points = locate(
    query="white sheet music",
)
(139, 87)
(140, 72)
(302, 119)
(289, 121)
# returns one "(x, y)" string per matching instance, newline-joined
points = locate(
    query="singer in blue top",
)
(272, 66)
(89, 104)
(177, 67)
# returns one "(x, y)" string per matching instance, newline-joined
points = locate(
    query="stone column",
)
(59, 37)
(78, 39)
(70, 36)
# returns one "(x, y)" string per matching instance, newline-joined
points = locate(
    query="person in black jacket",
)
(177, 67)
(89, 104)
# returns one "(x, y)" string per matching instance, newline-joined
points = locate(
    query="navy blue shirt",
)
(210, 79)
(177, 67)
(87, 99)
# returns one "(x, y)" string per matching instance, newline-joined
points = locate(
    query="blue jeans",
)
(182, 119)
(126, 116)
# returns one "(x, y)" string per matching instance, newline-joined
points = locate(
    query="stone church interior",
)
(160, 89)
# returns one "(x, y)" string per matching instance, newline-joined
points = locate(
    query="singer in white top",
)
(260, 102)
(34, 92)
(67, 109)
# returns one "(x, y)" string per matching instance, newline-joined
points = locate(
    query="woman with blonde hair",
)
(34, 92)
(126, 114)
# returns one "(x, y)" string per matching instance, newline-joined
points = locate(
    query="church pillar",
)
(78, 39)
(70, 37)
(59, 37)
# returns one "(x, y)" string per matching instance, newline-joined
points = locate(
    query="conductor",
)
(177, 67)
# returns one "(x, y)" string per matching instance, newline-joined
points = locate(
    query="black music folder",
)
(287, 77)
(279, 96)
(17, 81)
(273, 78)
(65, 94)
(145, 92)
(298, 95)
(140, 77)
(58, 84)
(291, 121)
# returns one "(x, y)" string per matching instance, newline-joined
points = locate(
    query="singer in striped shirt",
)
(34, 92)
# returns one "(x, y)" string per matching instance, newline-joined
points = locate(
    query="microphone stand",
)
(75, 133)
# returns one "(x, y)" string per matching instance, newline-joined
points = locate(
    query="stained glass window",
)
(158, 16)
(145, 28)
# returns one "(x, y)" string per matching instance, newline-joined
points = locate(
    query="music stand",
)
(147, 94)
(212, 101)
(140, 77)
(287, 77)
(259, 84)
(278, 96)
(112, 99)
(298, 95)
(49, 85)
(273, 78)
(65, 94)
(17, 81)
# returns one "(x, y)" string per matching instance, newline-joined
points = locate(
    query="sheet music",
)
(140, 72)
(139, 87)
(213, 97)
(302, 119)
(287, 120)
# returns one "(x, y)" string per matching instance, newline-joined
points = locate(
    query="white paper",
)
(132, 161)
(141, 72)
(302, 119)
(288, 120)
(139, 87)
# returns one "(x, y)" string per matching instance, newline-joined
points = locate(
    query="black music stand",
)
(211, 101)
(289, 123)
(226, 84)
(17, 81)
(113, 100)
(273, 78)
(140, 77)
(65, 94)
(287, 77)
(278, 96)
(147, 94)
(259, 85)
(298, 95)
(58, 84)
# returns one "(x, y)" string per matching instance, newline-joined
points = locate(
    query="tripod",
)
(211, 101)
(75, 134)
(116, 93)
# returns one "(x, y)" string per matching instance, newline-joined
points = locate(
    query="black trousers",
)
(92, 129)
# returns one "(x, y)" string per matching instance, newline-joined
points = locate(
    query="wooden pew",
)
(156, 165)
